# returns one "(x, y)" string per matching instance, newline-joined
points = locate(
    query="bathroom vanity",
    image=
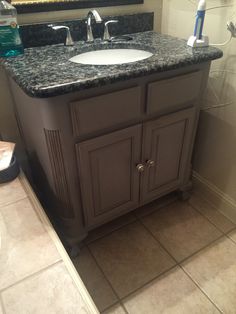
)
(105, 140)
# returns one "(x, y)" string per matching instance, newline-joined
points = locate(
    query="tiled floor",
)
(168, 257)
(35, 276)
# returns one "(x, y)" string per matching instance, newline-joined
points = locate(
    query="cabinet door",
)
(166, 145)
(108, 175)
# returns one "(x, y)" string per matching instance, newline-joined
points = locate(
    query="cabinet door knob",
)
(140, 168)
(150, 163)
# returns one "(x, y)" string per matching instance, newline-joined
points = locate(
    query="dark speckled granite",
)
(37, 35)
(47, 71)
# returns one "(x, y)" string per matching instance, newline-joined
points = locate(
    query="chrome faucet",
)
(69, 41)
(97, 17)
(106, 35)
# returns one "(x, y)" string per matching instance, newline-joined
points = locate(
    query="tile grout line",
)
(136, 218)
(156, 277)
(201, 249)
(108, 281)
(157, 240)
(115, 304)
(110, 306)
(223, 234)
(179, 265)
(31, 275)
(110, 232)
(14, 202)
(120, 300)
(148, 282)
(227, 236)
(168, 203)
(135, 290)
(212, 205)
(199, 287)
(2, 306)
(124, 308)
(218, 228)
(58, 244)
(178, 262)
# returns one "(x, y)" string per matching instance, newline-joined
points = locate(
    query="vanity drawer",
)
(105, 111)
(171, 93)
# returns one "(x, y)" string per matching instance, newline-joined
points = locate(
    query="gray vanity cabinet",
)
(116, 178)
(105, 151)
(166, 143)
(108, 176)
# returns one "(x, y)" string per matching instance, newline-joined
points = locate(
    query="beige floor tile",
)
(117, 309)
(172, 293)
(1, 309)
(130, 257)
(46, 292)
(25, 246)
(153, 206)
(214, 269)
(109, 227)
(181, 229)
(219, 220)
(232, 235)
(94, 280)
(11, 192)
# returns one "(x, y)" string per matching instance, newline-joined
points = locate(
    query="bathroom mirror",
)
(26, 6)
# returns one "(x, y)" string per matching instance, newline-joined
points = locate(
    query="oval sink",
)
(111, 56)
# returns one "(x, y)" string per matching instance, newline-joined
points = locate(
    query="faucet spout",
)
(98, 19)
(96, 15)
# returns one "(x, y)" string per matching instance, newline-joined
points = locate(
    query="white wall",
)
(215, 152)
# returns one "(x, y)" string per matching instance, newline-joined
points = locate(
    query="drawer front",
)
(173, 92)
(105, 111)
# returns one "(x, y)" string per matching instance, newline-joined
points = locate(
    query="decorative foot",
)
(185, 192)
(184, 195)
(74, 250)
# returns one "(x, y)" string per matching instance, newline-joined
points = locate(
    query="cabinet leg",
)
(74, 250)
(185, 191)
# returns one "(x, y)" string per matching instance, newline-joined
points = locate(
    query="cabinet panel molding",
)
(169, 94)
(105, 111)
(54, 146)
(166, 142)
(108, 174)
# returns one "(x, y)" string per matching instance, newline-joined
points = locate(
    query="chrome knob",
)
(150, 163)
(140, 168)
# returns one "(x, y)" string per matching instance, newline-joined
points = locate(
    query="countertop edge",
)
(141, 69)
(58, 91)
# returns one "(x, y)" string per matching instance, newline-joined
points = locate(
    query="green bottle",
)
(10, 41)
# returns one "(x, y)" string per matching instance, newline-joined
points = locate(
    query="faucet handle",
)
(69, 40)
(106, 35)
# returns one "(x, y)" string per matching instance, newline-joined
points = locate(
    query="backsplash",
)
(36, 35)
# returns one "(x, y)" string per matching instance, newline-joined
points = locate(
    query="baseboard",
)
(85, 296)
(223, 202)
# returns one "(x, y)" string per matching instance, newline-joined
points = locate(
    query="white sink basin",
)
(111, 56)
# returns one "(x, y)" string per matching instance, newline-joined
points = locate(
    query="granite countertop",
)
(36, 274)
(47, 71)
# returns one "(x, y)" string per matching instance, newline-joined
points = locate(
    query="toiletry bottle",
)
(10, 41)
(200, 19)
